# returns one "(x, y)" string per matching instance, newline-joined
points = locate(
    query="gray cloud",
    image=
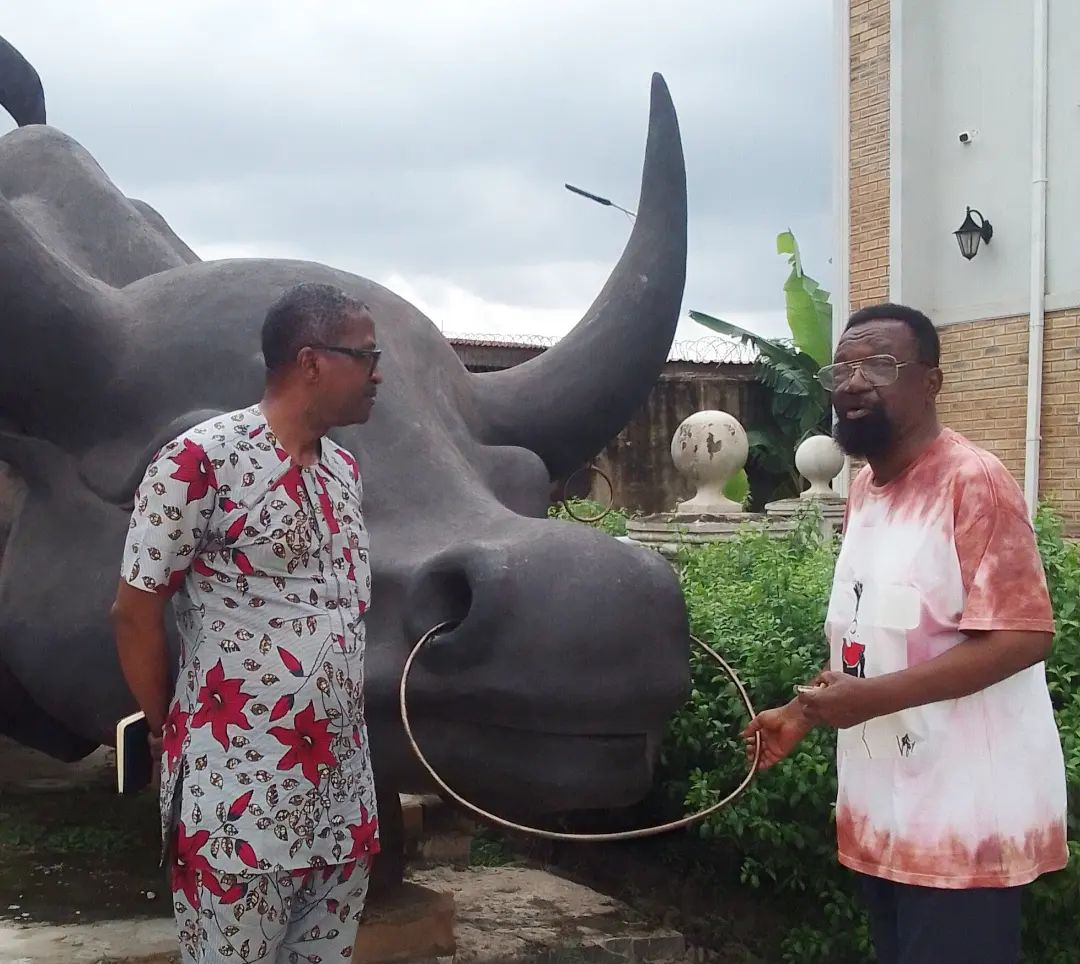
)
(431, 141)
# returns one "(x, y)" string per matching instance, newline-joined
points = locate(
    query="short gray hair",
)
(306, 314)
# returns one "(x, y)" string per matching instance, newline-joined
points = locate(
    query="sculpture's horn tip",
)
(661, 101)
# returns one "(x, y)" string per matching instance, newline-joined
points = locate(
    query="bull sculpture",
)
(570, 652)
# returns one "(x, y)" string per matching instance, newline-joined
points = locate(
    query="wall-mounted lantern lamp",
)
(969, 234)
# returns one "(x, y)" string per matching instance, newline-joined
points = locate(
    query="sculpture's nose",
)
(559, 629)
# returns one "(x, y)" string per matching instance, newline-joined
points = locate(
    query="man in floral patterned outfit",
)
(250, 523)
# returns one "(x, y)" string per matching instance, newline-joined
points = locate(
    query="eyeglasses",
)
(357, 353)
(878, 370)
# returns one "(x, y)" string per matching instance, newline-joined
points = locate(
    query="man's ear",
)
(308, 362)
(936, 379)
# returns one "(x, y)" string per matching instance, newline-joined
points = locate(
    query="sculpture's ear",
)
(37, 462)
(61, 332)
(113, 474)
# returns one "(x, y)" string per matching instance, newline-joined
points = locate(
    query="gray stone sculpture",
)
(571, 653)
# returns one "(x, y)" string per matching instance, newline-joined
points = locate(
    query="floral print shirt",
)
(265, 758)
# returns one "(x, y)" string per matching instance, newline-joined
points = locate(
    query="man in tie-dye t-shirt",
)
(951, 781)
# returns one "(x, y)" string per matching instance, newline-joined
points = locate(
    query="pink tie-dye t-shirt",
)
(967, 792)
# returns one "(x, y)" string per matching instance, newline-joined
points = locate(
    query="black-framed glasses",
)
(878, 370)
(372, 354)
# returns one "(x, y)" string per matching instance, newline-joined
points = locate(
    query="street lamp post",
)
(607, 202)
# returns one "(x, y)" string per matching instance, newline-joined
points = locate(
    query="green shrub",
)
(614, 523)
(1053, 903)
(760, 601)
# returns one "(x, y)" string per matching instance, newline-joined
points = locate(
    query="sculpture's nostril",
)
(444, 595)
(441, 593)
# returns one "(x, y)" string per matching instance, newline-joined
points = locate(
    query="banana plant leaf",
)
(809, 314)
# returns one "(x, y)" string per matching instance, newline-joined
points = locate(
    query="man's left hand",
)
(839, 700)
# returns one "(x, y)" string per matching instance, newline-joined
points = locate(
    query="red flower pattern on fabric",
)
(350, 461)
(173, 735)
(308, 742)
(221, 704)
(194, 468)
(292, 482)
(327, 506)
(176, 580)
(363, 836)
(187, 862)
(236, 529)
(202, 568)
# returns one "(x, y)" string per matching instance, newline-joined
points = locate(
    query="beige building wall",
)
(985, 362)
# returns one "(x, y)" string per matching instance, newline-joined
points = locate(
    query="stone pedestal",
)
(411, 923)
(819, 460)
(668, 532)
(708, 449)
(435, 832)
(781, 514)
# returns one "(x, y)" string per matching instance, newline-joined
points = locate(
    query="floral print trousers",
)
(307, 916)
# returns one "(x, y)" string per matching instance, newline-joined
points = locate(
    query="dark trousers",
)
(930, 925)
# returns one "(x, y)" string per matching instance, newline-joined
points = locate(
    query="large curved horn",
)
(21, 94)
(567, 403)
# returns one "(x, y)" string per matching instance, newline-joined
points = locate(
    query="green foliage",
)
(762, 602)
(799, 406)
(489, 850)
(614, 523)
(737, 488)
(1051, 908)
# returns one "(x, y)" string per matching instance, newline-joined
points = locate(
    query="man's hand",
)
(839, 700)
(781, 730)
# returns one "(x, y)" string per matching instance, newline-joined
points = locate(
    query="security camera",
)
(966, 137)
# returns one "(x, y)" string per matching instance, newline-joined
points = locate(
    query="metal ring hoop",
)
(593, 518)
(557, 835)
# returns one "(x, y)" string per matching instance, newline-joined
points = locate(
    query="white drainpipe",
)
(841, 186)
(1033, 433)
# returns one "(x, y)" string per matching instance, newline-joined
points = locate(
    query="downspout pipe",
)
(1036, 325)
(841, 186)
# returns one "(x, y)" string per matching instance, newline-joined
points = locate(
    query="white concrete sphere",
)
(709, 447)
(819, 461)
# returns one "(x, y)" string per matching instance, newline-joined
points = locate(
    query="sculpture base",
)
(412, 923)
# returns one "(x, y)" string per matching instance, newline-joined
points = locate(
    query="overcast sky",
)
(425, 145)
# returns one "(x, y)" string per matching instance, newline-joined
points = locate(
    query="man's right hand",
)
(781, 730)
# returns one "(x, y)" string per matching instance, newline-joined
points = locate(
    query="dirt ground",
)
(71, 849)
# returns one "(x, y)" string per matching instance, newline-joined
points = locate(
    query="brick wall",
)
(1059, 468)
(984, 397)
(869, 152)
